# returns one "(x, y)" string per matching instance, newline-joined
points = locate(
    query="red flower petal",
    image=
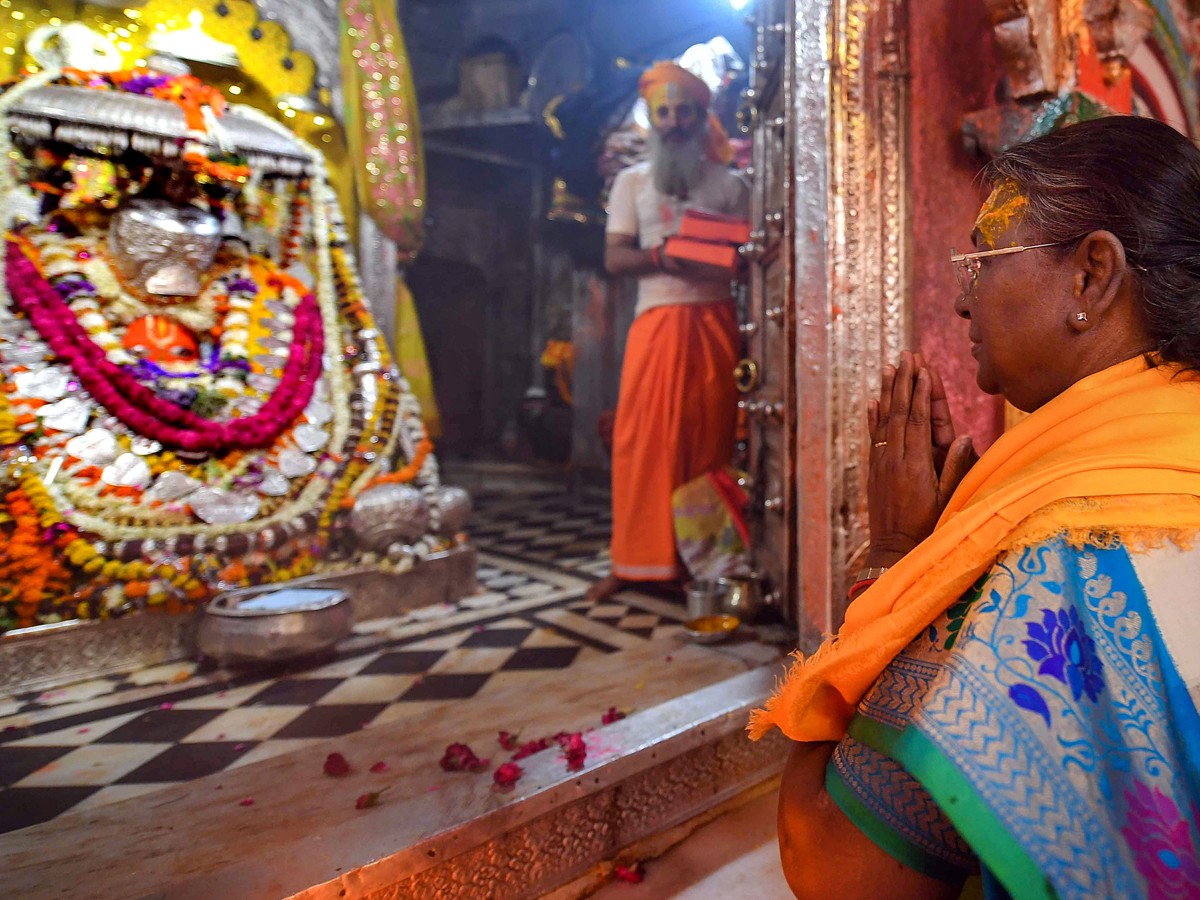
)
(508, 740)
(380, 766)
(530, 748)
(461, 758)
(248, 801)
(633, 874)
(336, 765)
(507, 775)
(367, 800)
(613, 715)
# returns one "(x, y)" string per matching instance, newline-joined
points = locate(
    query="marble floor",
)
(119, 737)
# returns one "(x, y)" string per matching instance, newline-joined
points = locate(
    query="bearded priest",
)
(676, 410)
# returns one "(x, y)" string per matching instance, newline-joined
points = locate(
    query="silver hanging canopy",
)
(111, 121)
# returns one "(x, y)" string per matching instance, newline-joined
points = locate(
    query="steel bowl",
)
(741, 597)
(711, 629)
(270, 623)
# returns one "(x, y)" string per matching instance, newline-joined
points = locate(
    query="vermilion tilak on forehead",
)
(1002, 210)
(669, 96)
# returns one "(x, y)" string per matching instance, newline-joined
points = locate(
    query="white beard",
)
(678, 168)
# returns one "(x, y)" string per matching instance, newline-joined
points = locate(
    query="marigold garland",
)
(30, 570)
(400, 476)
(560, 356)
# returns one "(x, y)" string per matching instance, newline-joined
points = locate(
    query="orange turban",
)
(662, 74)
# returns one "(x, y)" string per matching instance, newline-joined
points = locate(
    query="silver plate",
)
(318, 411)
(47, 384)
(127, 471)
(273, 483)
(310, 438)
(96, 447)
(261, 382)
(218, 507)
(25, 353)
(295, 464)
(173, 486)
(69, 416)
(144, 446)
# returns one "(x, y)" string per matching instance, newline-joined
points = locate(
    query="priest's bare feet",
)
(604, 588)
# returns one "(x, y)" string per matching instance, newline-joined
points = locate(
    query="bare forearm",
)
(823, 852)
(630, 261)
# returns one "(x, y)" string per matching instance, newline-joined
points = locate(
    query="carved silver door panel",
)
(827, 109)
(769, 401)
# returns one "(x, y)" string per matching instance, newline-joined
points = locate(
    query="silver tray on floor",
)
(274, 622)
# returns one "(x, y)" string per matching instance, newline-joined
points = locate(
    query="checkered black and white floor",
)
(126, 735)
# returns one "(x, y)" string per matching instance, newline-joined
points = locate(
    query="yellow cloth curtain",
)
(412, 359)
(382, 126)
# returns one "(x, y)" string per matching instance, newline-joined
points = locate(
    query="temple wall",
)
(954, 71)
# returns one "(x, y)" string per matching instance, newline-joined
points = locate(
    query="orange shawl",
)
(1115, 456)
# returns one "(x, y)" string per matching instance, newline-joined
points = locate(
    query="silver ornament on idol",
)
(220, 507)
(454, 503)
(387, 514)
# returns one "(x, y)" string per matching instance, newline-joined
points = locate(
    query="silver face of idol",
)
(163, 248)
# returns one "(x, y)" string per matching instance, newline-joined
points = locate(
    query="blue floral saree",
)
(1042, 731)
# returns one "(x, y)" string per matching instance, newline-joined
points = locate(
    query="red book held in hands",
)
(703, 225)
(723, 256)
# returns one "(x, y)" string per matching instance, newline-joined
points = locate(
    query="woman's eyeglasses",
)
(966, 265)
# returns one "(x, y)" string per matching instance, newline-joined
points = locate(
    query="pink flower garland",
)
(140, 408)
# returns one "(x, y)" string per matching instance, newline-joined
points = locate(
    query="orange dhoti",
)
(675, 421)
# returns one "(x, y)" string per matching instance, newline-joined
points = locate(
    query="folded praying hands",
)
(916, 458)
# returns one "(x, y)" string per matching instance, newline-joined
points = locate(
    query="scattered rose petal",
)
(613, 715)
(367, 800)
(633, 874)
(380, 766)
(218, 787)
(336, 765)
(576, 751)
(167, 705)
(670, 658)
(506, 775)
(239, 746)
(246, 801)
(508, 740)
(81, 730)
(530, 748)
(460, 758)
